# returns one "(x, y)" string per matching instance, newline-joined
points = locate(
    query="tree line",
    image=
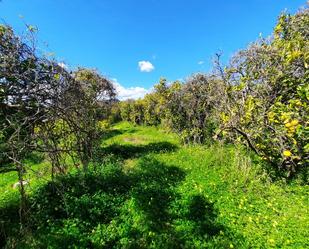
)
(260, 99)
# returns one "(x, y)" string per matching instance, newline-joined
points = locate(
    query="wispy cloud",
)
(201, 62)
(124, 93)
(145, 66)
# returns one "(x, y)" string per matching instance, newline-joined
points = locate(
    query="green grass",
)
(146, 190)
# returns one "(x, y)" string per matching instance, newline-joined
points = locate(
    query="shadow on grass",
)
(106, 208)
(111, 133)
(7, 168)
(9, 221)
(116, 132)
(202, 213)
(127, 151)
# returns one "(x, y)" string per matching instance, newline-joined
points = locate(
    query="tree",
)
(192, 110)
(46, 109)
(267, 105)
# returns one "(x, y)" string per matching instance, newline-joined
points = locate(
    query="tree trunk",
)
(23, 198)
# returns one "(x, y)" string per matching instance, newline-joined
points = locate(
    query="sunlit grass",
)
(155, 193)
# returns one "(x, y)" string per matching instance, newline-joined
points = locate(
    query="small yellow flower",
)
(288, 125)
(294, 122)
(287, 153)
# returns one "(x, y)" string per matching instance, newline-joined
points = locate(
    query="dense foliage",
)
(269, 94)
(45, 108)
(259, 99)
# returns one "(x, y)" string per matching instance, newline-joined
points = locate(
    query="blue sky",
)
(162, 37)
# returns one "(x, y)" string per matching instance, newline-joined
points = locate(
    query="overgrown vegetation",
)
(151, 192)
(260, 99)
(218, 161)
(46, 109)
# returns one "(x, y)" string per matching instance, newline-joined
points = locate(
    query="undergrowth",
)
(145, 190)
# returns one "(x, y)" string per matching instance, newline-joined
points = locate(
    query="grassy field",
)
(146, 190)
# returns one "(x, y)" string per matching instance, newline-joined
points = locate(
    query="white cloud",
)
(145, 66)
(201, 62)
(63, 65)
(124, 93)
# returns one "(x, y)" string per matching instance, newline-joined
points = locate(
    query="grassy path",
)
(226, 194)
(152, 192)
